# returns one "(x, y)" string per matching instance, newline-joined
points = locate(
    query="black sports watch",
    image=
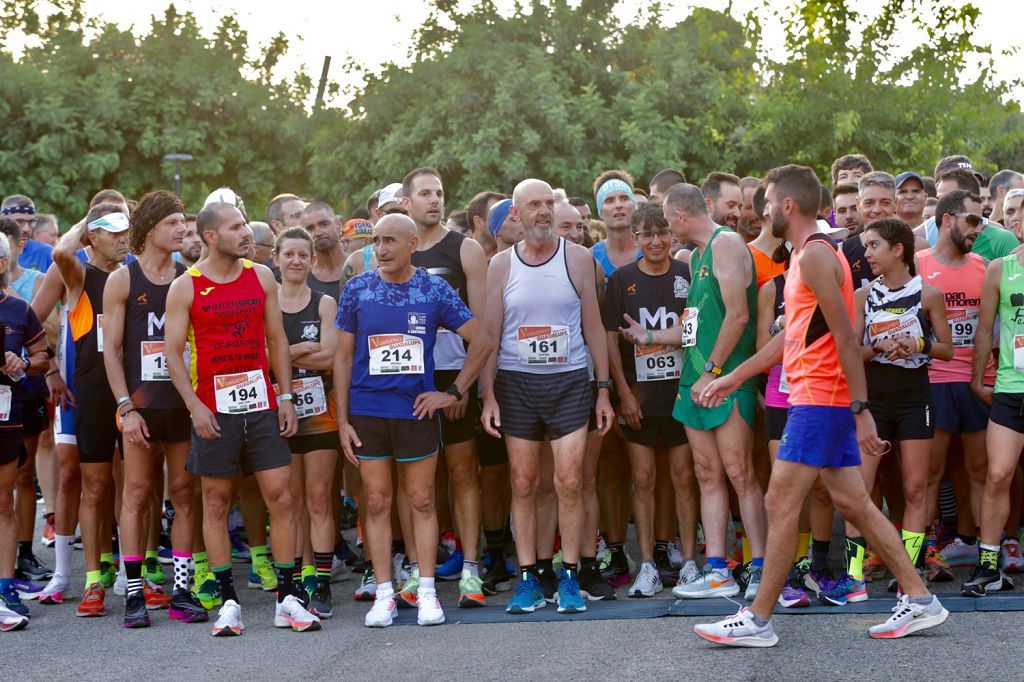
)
(607, 383)
(713, 368)
(454, 390)
(858, 406)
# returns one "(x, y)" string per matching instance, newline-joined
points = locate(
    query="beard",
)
(962, 243)
(779, 227)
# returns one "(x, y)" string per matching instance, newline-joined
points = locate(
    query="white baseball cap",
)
(112, 222)
(389, 195)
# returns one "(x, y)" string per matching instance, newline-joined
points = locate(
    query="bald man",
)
(541, 389)
(387, 403)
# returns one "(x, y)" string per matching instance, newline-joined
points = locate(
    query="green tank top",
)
(706, 295)
(1010, 373)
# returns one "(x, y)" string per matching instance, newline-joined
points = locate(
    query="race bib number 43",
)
(241, 393)
(395, 354)
(688, 327)
(544, 345)
(655, 363)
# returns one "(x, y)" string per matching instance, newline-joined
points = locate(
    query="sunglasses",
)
(972, 219)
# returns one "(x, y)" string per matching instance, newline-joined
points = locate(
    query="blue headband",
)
(613, 185)
(499, 212)
(24, 208)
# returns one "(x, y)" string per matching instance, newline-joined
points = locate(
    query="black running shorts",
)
(653, 431)
(539, 406)
(459, 430)
(96, 422)
(405, 440)
(248, 443)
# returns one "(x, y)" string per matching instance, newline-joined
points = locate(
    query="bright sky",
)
(375, 32)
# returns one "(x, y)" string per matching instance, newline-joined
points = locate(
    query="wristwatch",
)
(858, 406)
(607, 383)
(454, 390)
(709, 366)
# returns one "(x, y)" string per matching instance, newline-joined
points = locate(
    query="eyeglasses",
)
(651, 234)
(972, 219)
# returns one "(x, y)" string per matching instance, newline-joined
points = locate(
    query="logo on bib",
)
(681, 288)
(417, 323)
(310, 332)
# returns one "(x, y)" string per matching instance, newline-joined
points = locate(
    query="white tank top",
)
(542, 332)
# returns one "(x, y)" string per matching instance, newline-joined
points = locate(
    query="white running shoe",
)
(647, 582)
(739, 630)
(959, 553)
(229, 620)
(9, 620)
(602, 550)
(688, 573)
(290, 613)
(428, 607)
(674, 556)
(340, 571)
(121, 584)
(383, 612)
(711, 583)
(56, 590)
(908, 617)
(1013, 562)
(367, 587)
(753, 583)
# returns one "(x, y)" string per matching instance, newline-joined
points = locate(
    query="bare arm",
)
(986, 322)
(72, 271)
(474, 264)
(342, 384)
(176, 324)
(593, 330)
(866, 351)
(324, 357)
(115, 293)
(733, 269)
(353, 266)
(494, 322)
(935, 306)
(277, 350)
(765, 313)
(480, 349)
(50, 291)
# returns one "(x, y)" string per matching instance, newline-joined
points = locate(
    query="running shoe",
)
(401, 568)
(593, 586)
(309, 584)
(569, 598)
(1012, 561)
(383, 611)
(229, 620)
(262, 576)
(843, 591)
(937, 569)
(874, 569)
(711, 583)
(165, 554)
(135, 611)
(10, 600)
(984, 580)
(471, 591)
(29, 567)
(428, 608)
(944, 534)
(452, 568)
(617, 570)
(186, 608)
(602, 552)
(367, 590)
(739, 630)
(959, 553)
(909, 617)
(121, 584)
(240, 552)
(92, 602)
(674, 556)
(55, 590)
(153, 571)
(321, 601)
(818, 582)
(548, 584)
(753, 582)
(290, 613)
(741, 574)
(668, 571)
(528, 597)
(349, 514)
(688, 573)
(207, 591)
(78, 542)
(340, 572)
(10, 620)
(156, 598)
(406, 597)
(647, 583)
(448, 541)
(49, 536)
(108, 574)
(497, 578)
(27, 589)
(793, 595)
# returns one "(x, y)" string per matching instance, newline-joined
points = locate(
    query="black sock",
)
(24, 549)
(226, 582)
(398, 546)
(529, 568)
(286, 575)
(570, 568)
(297, 573)
(587, 562)
(967, 539)
(618, 551)
(545, 565)
(819, 554)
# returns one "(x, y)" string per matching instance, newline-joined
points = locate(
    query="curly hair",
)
(152, 208)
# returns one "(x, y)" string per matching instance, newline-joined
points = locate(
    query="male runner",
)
(663, 181)
(825, 371)
(460, 262)
(319, 220)
(284, 211)
(718, 334)
(389, 319)
(910, 198)
(876, 200)
(724, 199)
(191, 244)
(613, 191)
(151, 414)
(542, 389)
(227, 308)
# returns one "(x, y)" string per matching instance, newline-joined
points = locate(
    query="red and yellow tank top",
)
(228, 363)
(810, 358)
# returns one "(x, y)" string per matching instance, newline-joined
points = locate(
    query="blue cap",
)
(906, 175)
(499, 212)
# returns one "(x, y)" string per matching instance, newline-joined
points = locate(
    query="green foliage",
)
(549, 90)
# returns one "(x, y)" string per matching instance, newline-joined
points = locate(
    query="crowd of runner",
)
(491, 396)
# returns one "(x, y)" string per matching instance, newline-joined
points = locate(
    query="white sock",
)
(181, 570)
(427, 583)
(64, 547)
(384, 588)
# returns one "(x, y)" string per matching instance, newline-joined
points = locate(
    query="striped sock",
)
(323, 561)
(286, 574)
(133, 573)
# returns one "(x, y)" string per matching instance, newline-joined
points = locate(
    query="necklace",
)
(157, 273)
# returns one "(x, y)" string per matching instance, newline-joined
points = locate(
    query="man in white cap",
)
(389, 200)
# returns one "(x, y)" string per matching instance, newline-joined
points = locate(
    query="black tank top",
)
(145, 366)
(305, 326)
(444, 259)
(332, 289)
(85, 319)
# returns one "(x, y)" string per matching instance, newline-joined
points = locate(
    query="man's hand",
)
(12, 363)
(713, 393)
(634, 333)
(430, 402)
(458, 410)
(490, 417)
(604, 412)
(205, 422)
(867, 436)
(287, 419)
(134, 429)
(60, 396)
(983, 392)
(349, 441)
(629, 409)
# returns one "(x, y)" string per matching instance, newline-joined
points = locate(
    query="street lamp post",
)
(178, 159)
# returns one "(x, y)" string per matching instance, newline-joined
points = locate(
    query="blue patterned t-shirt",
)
(395, 326)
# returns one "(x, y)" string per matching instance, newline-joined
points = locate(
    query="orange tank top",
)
(810, 358)
(766, 268)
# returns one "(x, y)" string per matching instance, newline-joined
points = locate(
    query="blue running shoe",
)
(240, 553)
(528, 597)
(27, 589)
(165, 555)
(845, 590)
(569, 598)
(10, 599)
(451, 569)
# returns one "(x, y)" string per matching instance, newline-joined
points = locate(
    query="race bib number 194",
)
(241, 393)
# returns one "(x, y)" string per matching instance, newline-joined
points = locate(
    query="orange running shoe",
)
(156, 598)
(874, 569)
(92, 602)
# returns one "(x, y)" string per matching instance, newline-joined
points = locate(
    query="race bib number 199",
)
(963, 323)
(542, 345)
(241, 393)
(395, 354)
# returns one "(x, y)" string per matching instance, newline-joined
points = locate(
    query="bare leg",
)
(641, 459)
(463, 467)
(1004, 446)
(26, 487)
(375, 511)
(417, 480)
(523, 458)
(591, 510)
(96, 492)
(547, 503)
(687, 498)
(568, 455)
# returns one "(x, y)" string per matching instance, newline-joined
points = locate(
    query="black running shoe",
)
(320, 602)
(135, 613)
(593, 586)
(669, 574)
(548, 584)
(497, 578)
(186, 608)
(984, 580)
(29, 567)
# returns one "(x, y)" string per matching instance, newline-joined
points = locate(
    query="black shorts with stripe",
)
(539, 406)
